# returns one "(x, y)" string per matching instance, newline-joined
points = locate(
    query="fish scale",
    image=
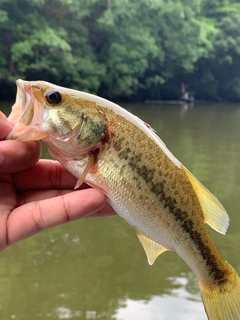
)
(157, 182)
(112, 150)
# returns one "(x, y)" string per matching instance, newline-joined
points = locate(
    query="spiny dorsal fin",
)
(152, 248)
(214, 213)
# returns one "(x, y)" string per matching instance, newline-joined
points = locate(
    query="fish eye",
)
(53, 97)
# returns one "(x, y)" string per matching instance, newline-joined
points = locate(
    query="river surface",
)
(97, 269)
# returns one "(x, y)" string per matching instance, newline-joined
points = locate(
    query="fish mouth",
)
(23, 115)
(20, 104)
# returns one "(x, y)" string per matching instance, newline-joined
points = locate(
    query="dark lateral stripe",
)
(171, 205)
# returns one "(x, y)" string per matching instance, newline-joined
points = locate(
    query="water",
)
(96, 268)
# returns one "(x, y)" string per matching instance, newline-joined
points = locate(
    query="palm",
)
(42, 197)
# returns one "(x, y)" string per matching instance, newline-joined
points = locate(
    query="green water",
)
(96, 268)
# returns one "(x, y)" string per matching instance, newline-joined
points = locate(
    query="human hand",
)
(38, 194)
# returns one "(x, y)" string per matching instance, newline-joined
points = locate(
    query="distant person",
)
(185, 95)
(38, 194)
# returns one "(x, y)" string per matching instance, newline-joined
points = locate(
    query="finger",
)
(16, 155)
(33, 196)
(48, 174)
(5, 126)
(105, 211)
(34, 217)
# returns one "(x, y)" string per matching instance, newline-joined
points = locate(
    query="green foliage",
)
(3, 16)
(124, 49)
(220, 74)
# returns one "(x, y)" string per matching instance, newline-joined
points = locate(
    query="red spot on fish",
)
(28, 88)
(148, 125)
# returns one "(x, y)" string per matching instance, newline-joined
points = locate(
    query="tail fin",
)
(223, 302)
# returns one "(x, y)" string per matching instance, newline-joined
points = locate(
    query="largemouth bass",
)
(114, 151)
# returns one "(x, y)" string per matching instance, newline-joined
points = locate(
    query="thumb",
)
(5, 126)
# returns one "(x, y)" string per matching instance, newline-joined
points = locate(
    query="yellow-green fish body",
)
(112, 150)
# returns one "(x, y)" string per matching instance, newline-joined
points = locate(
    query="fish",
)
(114, 151)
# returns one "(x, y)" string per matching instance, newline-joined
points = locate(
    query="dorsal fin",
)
(214, 213)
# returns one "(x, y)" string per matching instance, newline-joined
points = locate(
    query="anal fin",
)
(152, 248)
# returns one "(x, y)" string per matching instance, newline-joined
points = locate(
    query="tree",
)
(123, 49)
(217, 76)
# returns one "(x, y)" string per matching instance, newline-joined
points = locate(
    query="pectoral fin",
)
(152, 248)
(214, 213)
(90, 164)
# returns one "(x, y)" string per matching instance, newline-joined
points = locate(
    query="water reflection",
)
(162, 307)
(96, 277)
(96, 268)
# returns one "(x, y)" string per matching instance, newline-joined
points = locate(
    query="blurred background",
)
(156, 57)
(123, 50)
